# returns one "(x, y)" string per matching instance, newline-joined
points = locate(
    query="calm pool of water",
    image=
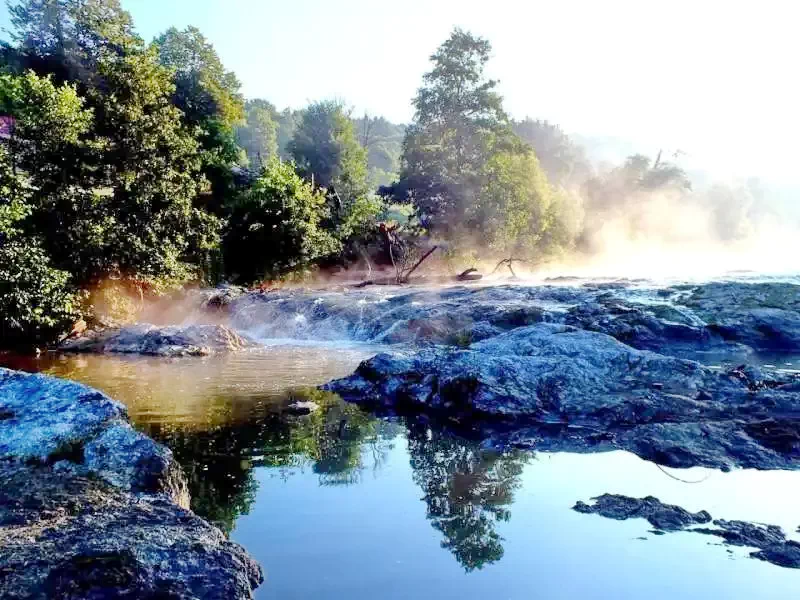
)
(343, 505)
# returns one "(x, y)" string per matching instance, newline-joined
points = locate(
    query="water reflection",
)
(338, 442)
(226, 417)
(467, 490)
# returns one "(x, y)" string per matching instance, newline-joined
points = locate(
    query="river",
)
(342, 504)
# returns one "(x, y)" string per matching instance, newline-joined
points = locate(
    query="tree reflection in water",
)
(338, 442)
(220, 436)
(467, 489)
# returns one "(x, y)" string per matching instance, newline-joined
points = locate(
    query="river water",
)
(341, 504)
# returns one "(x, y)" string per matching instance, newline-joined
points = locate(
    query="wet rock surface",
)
(707, 322)
(90, 508)
(770, 540)
(556, 387)
(165, 341)
(666, 517)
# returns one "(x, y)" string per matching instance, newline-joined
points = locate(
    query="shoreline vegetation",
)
(129, 169)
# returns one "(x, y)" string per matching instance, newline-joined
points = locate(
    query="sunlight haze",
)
(712, 79)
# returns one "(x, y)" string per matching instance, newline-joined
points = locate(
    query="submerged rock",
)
(515, 386)
(773, 547)
(666, 517)
(90, 508)
(166, 341)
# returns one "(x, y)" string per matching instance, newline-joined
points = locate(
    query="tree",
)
(204, 90)
(384, 143)
(287, 124)
(112, 185)
(155, 169)
(67, 38)
(516, 212)
(258, 137)
(564, 161)
(37, 302)
(326, 149)
(212, 106)
(458, 124)
(276, 226)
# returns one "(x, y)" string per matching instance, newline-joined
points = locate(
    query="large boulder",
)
(560, 383)
(69, 537)
(90, 508)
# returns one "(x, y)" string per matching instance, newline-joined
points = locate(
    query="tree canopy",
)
(325, 148)
(459, 122)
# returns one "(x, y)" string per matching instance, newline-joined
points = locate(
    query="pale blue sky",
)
(715, 79)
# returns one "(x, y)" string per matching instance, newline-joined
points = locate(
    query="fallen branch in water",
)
(470, 274)
(418, 263)
(509, 263)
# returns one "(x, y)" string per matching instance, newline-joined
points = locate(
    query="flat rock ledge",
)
(90, 508)
(555, 387)
(164, 341)
(769, 541)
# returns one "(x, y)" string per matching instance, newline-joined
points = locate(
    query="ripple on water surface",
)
(340, 504)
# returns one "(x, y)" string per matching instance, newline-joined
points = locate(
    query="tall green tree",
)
(459, 123)
(277, 226)
(212, 105)
(204, 90)
(258, 137)
(67, 38)
(325, 148)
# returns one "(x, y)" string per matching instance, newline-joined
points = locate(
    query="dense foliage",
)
(143, 165)
(277, 225)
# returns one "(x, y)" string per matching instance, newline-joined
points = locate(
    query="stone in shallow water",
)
(666, 517)
(773, 547)
(166, 341)
(672, 411)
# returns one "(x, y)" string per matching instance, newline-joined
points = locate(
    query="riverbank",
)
(91, 508)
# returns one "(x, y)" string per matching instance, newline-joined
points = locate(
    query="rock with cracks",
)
(91, 509)
(558, 387)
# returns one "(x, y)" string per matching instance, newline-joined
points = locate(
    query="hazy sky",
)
(718, 80)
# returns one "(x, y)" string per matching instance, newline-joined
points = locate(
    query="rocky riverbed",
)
(683, 375)
(89, 508)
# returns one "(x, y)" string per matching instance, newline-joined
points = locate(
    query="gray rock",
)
(666, 517)
(673, 411)
(773, 547)
(64, 537)
(166, 341)
(90, 508)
